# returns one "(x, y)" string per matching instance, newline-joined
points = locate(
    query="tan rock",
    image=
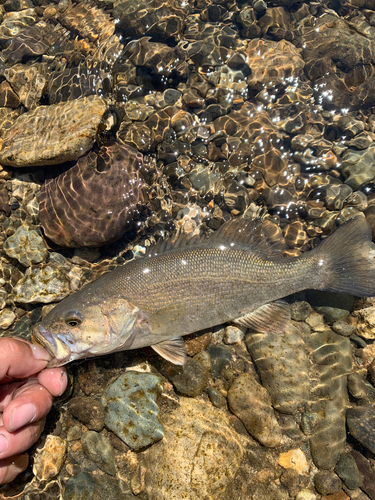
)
(294, 459)
(49, 459)
(198, 457)
(365, 322)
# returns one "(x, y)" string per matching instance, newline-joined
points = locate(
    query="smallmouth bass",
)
(237, 274)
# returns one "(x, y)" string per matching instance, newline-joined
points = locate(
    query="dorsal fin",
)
(254, 234)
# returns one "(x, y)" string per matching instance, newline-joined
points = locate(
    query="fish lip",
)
(48, 342)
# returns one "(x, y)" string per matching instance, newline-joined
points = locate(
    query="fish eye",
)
(73, 318)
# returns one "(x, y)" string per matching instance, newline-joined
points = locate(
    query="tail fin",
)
(345, 260)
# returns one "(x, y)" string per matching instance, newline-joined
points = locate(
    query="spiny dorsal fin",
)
(256, 235)
(270, 318)
(172, 350)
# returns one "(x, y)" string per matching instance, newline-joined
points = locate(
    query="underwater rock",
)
(82, 486)
(28, 42)
(361, 424)
(272, 62)
(88, 411)
(98, 449)
(7, 318)
(131, 406)
(282, 362)
(294, 459)
(44, 284)
(364, 322)
(356, 166)
(28, 82)
(327, 482)
(49, 460)
(251, 403)
(198, 457)
(50, 135)
(27, 246)
(191, 379)
(333, 355)
(347, 470)
(100, 195)
(8, 98)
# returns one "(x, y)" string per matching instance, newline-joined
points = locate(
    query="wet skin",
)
(26, 393)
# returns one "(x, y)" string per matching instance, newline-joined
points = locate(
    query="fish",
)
(237, 274)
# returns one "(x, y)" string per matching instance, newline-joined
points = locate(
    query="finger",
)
(30, 402)
(12, 466)
(55, 380)
(19, 359)
(7, 393)
(13, 443)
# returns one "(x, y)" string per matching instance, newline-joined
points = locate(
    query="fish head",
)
(76, 329)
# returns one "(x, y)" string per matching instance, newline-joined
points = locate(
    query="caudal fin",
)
(345, 261)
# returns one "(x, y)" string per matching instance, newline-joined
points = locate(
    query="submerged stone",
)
(98, 449)
(131, 406)
(41, 284)
(48, 461)
(27, 246)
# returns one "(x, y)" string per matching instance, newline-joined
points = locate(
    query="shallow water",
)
(239, 109)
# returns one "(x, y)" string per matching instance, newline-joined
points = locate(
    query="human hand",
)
(26, 394)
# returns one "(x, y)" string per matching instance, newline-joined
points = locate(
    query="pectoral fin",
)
(172, 350)
(273, 317)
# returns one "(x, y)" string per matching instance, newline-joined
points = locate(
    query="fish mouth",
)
(59, 350)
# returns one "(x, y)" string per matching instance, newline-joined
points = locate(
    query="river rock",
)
(94, 202)
(48, 461)
(361, 424)
(88, 411)
(347, 470)
(98, 449)
(282, 362)
(27, 246)
(198, 457)
(327, 482)
(191, 379)
(131, 407)
(50, 135)
(41, 284)
(364, 321)
(7, 318)
(250, 402)
(80, 487)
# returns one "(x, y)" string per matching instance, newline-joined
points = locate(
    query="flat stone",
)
(327, 482)
(80, 487)
(27, 246)
(98, 449)
(347, 470)
(361, 424)
(50, 135)
(88, 411)
(131, 406)
(41, 284)
(191, 379)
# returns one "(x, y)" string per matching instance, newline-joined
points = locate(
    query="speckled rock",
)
(361, 424)
(28, 82)
(101, 193)
(333, 355)
(7, 318)
(294, 459)
(50, 135)
(234, 334)
(131, 406)
(98, 449)
(88, 411)
(48, 461)
(282, 362)
(327, 482)
(364, 321)
(347, 470)
(27, 246)
(250, 402)
(80, 487)
(191, 379)
(41, 284)
(299, 311)
(221, 356)
(198, 457)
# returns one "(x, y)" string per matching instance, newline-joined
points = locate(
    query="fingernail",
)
(21, 416)
(40, 353)
(63, 382)
(3, 444)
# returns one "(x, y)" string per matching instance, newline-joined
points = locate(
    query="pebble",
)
(234, 334)
(27, 246)
(216, 398)
(357, 386)
(364, 321)
(98, 449)
(41, 284)
(294, 459)
(347, 470)
(80, 487)
(361, 424)
(327, 482)
(48, 461)
(251, 403)
(89, 411)
(7, 318)
(131, 407)
(299, 311)
(198, 457)
(366, 470)
(315, 320)
(339, 307)
(304, 494)
(221, 356)
(343, 328)
(191, 379)
(50, 135)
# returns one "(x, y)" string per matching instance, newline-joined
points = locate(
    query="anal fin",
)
(273, 317)
(172, 350)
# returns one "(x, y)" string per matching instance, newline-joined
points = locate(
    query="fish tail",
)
(345, 262)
